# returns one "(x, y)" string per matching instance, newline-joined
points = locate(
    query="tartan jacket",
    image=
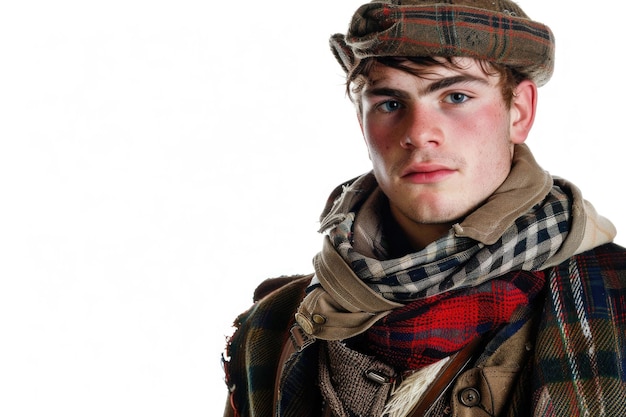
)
(578, 366)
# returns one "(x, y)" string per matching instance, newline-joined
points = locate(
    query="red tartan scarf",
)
(433, 328)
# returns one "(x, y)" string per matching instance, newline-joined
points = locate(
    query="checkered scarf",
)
(453, 262)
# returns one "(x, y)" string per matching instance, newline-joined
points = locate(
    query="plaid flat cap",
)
(492, 30)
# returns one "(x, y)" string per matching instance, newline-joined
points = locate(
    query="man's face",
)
(440, 145)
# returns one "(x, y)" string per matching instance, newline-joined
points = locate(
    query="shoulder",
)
(275, 302)
(253, 351)
(284, 282)
(589, 286)
(609, 252)
(602, 267)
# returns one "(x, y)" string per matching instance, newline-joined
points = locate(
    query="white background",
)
(158, 159)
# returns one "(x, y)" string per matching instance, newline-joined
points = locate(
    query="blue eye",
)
(456, 98)
(389, 106)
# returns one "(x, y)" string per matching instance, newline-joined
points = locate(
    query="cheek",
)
(492, 149)
(377, 140)
(486, 123)
(493, 166)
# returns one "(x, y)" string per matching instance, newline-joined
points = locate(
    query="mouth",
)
(427, 173)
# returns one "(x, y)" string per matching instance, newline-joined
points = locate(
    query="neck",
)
(419, 235)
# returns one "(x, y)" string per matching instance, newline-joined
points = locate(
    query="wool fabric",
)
(430, 329)
(496, 31)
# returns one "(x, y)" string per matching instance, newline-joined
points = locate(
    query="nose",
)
(423, 129)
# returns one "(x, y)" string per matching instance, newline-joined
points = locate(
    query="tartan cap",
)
(497, 31)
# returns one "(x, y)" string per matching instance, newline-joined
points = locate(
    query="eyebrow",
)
(451, 81)
(429, 89)
(386, 92)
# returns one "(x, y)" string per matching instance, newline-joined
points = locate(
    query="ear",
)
(523, 109)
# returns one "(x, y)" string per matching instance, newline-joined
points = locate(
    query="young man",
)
(458, 277)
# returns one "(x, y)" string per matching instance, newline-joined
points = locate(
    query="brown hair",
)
(359, 76)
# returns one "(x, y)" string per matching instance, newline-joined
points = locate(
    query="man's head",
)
(443, 92)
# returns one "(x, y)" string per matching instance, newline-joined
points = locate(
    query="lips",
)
(427, 173)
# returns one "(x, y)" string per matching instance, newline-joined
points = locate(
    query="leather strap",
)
(296, 342)
(446, 377)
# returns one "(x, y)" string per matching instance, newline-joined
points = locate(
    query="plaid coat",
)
(578, 367)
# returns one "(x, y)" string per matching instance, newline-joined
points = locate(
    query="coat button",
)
(469, 397)
(319, 319)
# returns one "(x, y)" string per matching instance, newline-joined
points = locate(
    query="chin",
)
(438, 214)
(435, 218)
(443, 220)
